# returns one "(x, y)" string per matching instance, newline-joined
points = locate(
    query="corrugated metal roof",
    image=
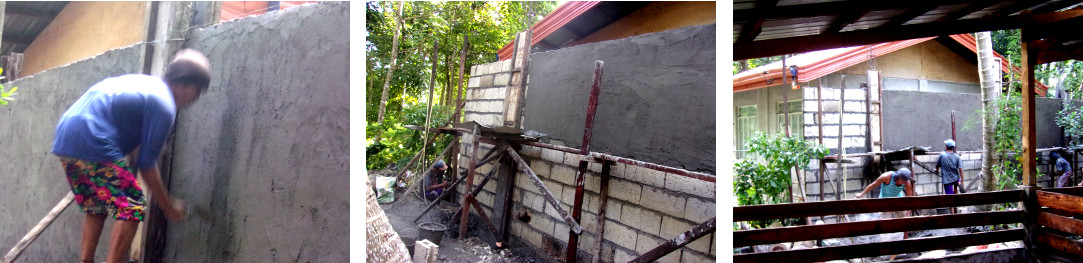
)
(24, 21)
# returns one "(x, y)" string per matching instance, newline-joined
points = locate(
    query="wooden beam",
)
(30, 13)
(1058, 243)
(910, 14)
(834, 8)
(1060, 201)
(1054, 6)
(772, 47)
(681, 240)
(485, 218)
(469, 181)
(849, 229)
(546, 194)
(1030, 141)
(1015, 8)
(458, 212)
(16, 40)
(965, 11)
(882, 248)
(750, 30)
(842, 21)
(797, 210)
(603, 198)
(1062, 223)
(1074, 190)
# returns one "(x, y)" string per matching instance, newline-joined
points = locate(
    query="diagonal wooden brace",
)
(541, 187)
(681, 240)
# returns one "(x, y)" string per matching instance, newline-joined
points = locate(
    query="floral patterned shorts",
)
(103, 188)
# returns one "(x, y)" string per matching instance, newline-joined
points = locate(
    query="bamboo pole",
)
(40, 227)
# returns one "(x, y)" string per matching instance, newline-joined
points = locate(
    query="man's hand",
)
(859, 195)
(177, 213)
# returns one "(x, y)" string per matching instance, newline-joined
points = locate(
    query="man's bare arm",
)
(173, 211)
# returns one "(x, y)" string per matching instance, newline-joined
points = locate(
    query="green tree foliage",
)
(489, 26)
(1071, 120)
(6, 95)
(1067, 75)
(742, 65)
(1008, 140)
(765, 175)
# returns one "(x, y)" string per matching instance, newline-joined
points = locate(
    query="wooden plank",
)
(469, 180)
(546, 194)
(883, 248)
(815, 232)
(40, 227)
(681, 240)
(603, 197)
(477, 190)
(485, 219)
(797, 210)
(1058, 243)
(1061, 223)
(1060, 201)
(1030, 140)
(1074, 190)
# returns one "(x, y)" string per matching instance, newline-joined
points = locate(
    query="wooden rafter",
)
(842, 21)
(909, 14)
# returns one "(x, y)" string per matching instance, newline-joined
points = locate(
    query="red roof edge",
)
(852, 57)
(555, 20)
(971, 43)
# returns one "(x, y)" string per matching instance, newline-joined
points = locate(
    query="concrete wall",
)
(266, 150)
(83, 30)
(644, 209)
(924, 119)
(655, 17)
(36, 178)
(657, 101)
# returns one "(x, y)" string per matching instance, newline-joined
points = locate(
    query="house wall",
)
(29, 124)
(83, 30)
(266, 149)
(929, 60)
(655, 17)
(652, 86)
(645, 207)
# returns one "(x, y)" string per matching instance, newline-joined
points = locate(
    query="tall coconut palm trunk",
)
(988, 71)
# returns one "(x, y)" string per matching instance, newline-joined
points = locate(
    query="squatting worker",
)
(120, 121)
(434, 182)
(1062, 170)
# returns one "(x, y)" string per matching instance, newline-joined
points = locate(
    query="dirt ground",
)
(476, 247)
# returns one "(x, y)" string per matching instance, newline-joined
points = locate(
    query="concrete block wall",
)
(645, 207)
(854, 128)
(486, 92)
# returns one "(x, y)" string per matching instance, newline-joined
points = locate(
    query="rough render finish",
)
(657, 101)
(28, 129)
(266, 150)
(910, 120)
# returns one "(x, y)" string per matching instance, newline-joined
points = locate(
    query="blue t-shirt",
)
(949, 164)
(115, 116)
(1063, 166)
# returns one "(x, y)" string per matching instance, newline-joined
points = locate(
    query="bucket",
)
(432, 231)
(409, 241)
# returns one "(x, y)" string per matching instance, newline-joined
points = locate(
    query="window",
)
(746, 127)
(797, 120)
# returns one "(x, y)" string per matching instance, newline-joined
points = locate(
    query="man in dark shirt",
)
(434, 182)
(952, 174)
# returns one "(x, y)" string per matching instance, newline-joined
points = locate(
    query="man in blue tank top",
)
(892, 184)
(118, 122)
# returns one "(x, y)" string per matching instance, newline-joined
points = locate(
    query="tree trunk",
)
(390, 71)
(742, 65)
(990, 87)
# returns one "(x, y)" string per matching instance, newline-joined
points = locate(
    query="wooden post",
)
(545, 193)
(603, 197)
(469, 180)
(1029, 131)
(681, 240)
(841, 180)
(820, 126)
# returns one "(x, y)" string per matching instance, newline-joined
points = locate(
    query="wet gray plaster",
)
(657, 101)
(266, 150)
